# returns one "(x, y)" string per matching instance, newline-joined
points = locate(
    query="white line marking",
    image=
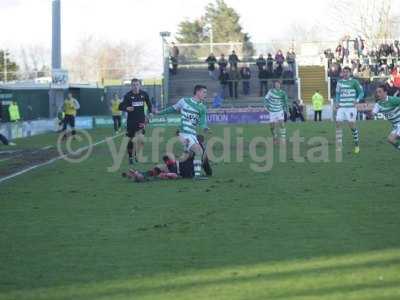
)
(52, 160)
(46, 147)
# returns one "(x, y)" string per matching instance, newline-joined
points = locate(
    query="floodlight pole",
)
(5, 65)
(56, 35)
(56, 95)
(165, 66)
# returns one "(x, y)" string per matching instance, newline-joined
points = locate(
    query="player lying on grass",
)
(172, 168)
(193, 114)
(390, 107)
(5, 141)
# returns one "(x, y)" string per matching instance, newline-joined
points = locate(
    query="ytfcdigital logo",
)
(261, 152)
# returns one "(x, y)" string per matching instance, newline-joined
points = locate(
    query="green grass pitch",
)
(323, 231)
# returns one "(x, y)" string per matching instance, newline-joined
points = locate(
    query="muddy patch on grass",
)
(12, 161)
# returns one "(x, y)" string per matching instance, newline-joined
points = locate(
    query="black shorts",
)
(69, 120)
(133, 128)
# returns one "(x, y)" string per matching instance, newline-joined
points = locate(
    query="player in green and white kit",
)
(390, 107)
(193, 114)
(348, 93)
(276, 103)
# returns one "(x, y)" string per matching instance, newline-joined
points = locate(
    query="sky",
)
(28, 22)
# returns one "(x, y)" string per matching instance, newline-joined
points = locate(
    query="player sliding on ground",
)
(348, 93)
(276, 103)
(193, 114)
(171, 168)
(390, 107)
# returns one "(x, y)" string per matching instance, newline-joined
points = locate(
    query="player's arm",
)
(125, 105)
(337, 95)
(285, 102)
(172, 109)
(267, 100)
(76, 104)
(376, 109)
(360, 91)
(203, 121)
(148, 103)
(395, 101)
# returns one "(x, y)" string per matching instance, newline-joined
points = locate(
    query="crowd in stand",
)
(378, 63)
(229, 72)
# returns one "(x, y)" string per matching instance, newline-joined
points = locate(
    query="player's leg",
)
(64, 127)
(352, 115)
(138, 142)
(274, 131)
(339, 129)
(282, 131)
(394, 138)
(198, 156)
(115, 122)
(72, 125)
(119, 121)
(3, 139)
(130, 133)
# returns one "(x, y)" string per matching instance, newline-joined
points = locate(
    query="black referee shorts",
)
(69, 120)
(133, 128)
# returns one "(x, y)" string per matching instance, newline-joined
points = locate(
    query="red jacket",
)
(396, 79)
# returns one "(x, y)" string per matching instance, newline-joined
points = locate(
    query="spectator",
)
(278, 71)
(263, 76)
(287, 75)
(222, 63)
(211, 61)
(296, 111)
(291, 60)
(260, 62)
(234, 77)
(245, 74)
(270, 64)
(174, 58)
(279, 58)
(395, 78)
(317, 104)
(223, 79)
(13, 111)
(396, 49)
(365, 76)
(217, 100)
(233, 59)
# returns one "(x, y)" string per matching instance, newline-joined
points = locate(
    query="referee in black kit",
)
(133, 103)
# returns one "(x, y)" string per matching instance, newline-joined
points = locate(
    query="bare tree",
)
(34, 61)
(96, 60)
(372, 19)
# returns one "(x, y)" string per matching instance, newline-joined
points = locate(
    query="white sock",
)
(197, 167)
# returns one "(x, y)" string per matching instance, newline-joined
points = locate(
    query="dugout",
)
(33, 101)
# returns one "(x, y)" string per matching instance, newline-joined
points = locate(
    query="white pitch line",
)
(46, 147)
(52, 160)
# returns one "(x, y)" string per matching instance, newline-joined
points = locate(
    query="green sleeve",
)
(168, 110)
(285, 102)
(395, 101)
(203, 119)
(359, 89)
